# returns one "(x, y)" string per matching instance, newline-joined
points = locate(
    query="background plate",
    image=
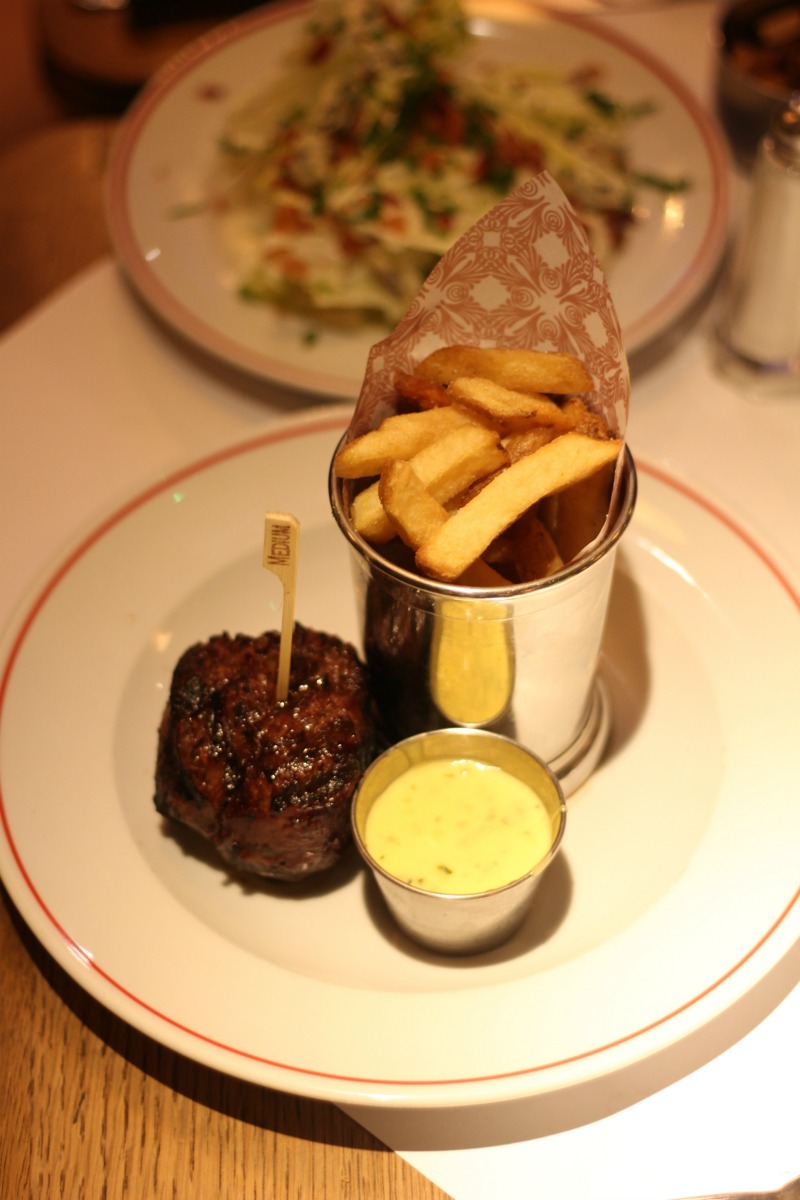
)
(675, 891)
(163, 155)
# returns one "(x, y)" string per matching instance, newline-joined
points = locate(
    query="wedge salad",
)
(340, 184)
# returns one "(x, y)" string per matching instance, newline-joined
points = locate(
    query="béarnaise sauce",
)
(458, 826)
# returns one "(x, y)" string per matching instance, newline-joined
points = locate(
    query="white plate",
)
(164, 151)
(675, 892)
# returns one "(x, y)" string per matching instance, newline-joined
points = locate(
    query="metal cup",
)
(521, 661)
(460, 923)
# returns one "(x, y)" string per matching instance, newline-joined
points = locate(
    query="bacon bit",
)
(291, 267)
(343, 147)
(350, 243)
(509, 151)
(450, 125)
(391, 215)
(618, 224)
(510, 148)
(392, 20)
(585, 76)
(431, 160)
(322, 49)
(483, 166)
(443, 120)
(285, 181)
(212, 92)
(291, 220)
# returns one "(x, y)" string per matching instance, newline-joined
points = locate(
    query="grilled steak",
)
(270, 784)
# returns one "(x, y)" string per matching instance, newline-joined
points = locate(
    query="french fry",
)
(465, 535)
(416, 515)
(534, 553)
(369, 518)
(584, 420)
(525, 441)
(500, 553)
(506, 409)
(481, 574)
(396, 437)
(520, 370)
(408, 504)
(575, 516)
(461, 498)
(502, 464)
(446, 467)
(425, 393)
(449, 466)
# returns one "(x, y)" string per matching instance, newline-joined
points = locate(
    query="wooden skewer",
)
(281, 536)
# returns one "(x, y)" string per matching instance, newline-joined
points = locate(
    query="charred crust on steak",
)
(269, 783)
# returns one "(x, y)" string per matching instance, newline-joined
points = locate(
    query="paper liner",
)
(522, 276)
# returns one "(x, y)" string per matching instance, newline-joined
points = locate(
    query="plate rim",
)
(338, 1086)
(200, 333)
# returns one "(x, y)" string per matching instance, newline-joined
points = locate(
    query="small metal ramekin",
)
(459, 923)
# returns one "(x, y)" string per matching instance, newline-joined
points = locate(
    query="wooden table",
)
(89, 1107)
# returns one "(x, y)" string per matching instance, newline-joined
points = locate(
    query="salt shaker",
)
(759, 332)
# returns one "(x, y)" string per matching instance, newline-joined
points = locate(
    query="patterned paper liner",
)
(522, 276)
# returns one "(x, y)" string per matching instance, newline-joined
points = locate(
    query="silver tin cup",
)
(459, 923)
(520, 661)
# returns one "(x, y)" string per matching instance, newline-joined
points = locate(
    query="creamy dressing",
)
(458, 826)
(436, 136)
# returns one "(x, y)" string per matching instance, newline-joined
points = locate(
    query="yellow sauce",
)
(472, 666)
(458, 826)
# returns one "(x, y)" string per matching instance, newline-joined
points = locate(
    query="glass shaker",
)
(759, 331)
